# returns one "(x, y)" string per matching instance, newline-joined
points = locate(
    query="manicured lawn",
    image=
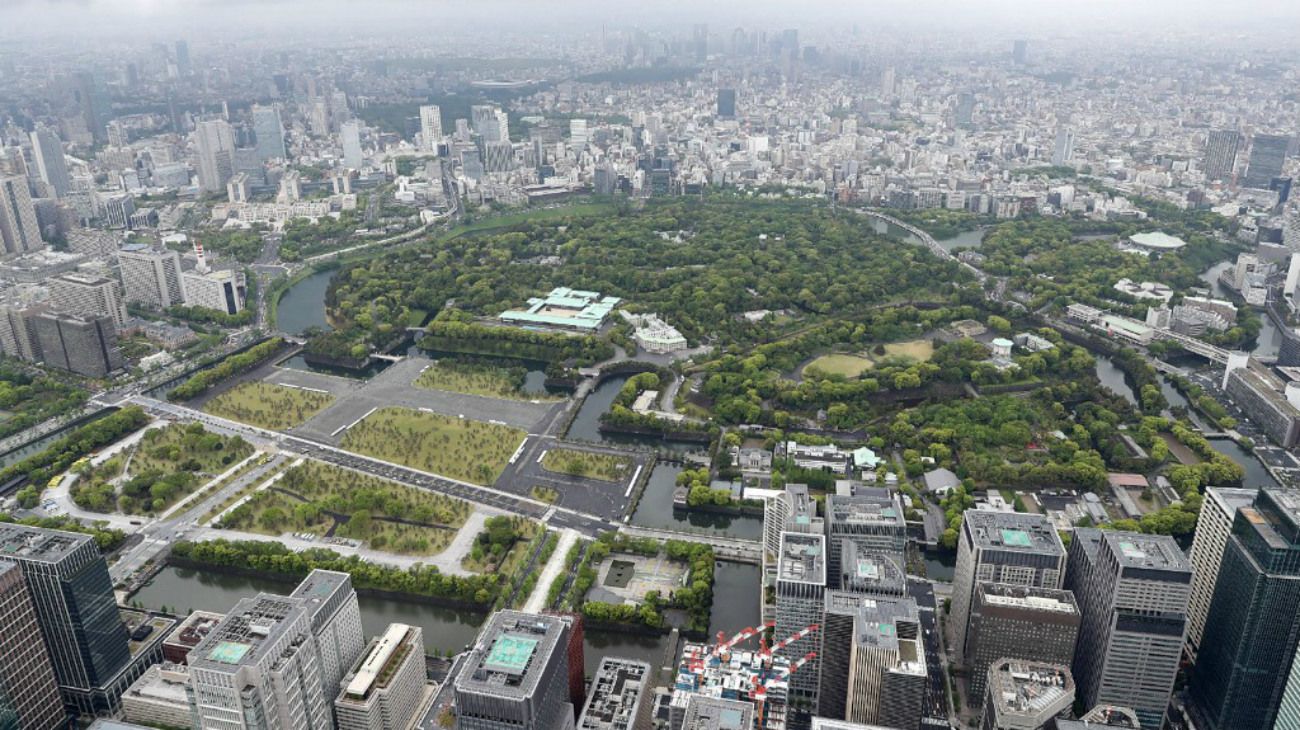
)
(475, 379)
(849, 366)
(267, 405)
(459, 448)
(853, 365)
(580, 463)
(921, 350)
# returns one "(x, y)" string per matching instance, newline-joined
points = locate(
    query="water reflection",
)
(303, 304)
(656, 510)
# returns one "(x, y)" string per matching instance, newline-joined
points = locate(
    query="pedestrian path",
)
(537, 601)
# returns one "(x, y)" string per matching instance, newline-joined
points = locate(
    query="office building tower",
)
(118, 210)
(836, 651)
(79, 343)
(871, 519)
(269, 131)
(1020, 52)
(887, 82)
(1213, 526)
(579, 133)
(183, 58)
(222, 290)
(887, 674)
(487, 123)
(19, 231)
(47, 149)
(576, 654)
(700, 41)
(18, 332)
(160, 697)
(1025, 695)
(350, 136)
(515, 676)
(727, 103)
(1221, 147)
(70, 589)
(430, 127)
(29, 692)
(865, 571)
(794, 510)
(77, 293)
(1002, 547)
(387, 687)
(1267, 157)
(1018, 622)
(240, 188)
(151, 276)
(498, 156)
(800, 603)
(1063, 148)
(214, 139)
(90, 101)
(1132, 590)
(965, 113)
(1252, 629)
(618, 691)
(331, 604)
(260, 669)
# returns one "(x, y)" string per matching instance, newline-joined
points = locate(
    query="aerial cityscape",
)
(563, 365)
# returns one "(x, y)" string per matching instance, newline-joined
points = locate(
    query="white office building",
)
(220, 290)
(76, 293)
(386, 689)
(151, 276)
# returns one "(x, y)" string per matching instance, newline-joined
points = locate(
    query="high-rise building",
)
(77, 293)
(1252, 629)
(887, 673)
(703, 712)
(1213, 526)
(223, 290)
(214, 140)
(515, 676)
(872, 518)
(727, 103)
(576, 651)
(498, 156)
(118, 210)
(1267, 157)
(29, 692)
(965, 114)
(1018, 622)
(1063, 148)
(19, 230)
(430, 127)
(86, 92)
(350, 136)
(386, 687)
(618, 691)
(79, 343)
(489, 123)
(183, 58)
(18, 332)
(47, 148)
(269, 131)
(151, 276)
(1024, 695)
(331, 603)
(1002, 547)
(1132, 590)
(1221, 147)
(800, 603)
(1020, 52)
(259, 669)
(82, 630)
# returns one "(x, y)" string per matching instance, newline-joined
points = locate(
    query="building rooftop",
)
(565, 307)
(617, 692)
(803, 508)
(1157, 240)
(252, 624)
(195, 626)
(803, 558)
(826, 723)
(164, 682)
(1028, 597)
(1035, 690)
(510, 653)
(870, 571)
(715, 713)
(319, 586)
(37, 544)
(870, 505)
(889, 623)
(384, 653)
(1013, 531)
(1149, 552)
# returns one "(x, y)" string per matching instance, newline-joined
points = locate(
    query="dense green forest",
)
(29, 397)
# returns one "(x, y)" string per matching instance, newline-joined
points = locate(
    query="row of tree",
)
(232, 365)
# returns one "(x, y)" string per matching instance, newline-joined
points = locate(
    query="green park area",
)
(458, 448)
(329, 501)
(501, 546)
(606, 467)
(166, 465)
(854, 365)
(475, 378)
(267, 405)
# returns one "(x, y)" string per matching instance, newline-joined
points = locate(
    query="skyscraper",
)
(1002, 547)
(1252, 629)
(1267, 156)
(1020, 52)
(350, 137)
(269, 130)
(47, 148)
(151, 276)
(887, 674)
(29, 692)
(1221, 147)
(872, 519)
(215, 142)
(965, 109)
(430, 127)
(183, 58)
(77, 293)
(89, 100)
(1018, 622)
(800, 603)
(83, 344)
(19, 231)
(727, 103)
(1132, 591)
(489, 123)
(1213, 526)
(516, 675)
(1063, 148)
(331, 604)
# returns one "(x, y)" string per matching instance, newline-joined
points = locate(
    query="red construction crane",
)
(725, 645)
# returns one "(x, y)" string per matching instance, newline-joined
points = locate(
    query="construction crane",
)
(779, 674)
(725, 645)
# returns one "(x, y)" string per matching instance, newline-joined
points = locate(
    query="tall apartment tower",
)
(1002, 547)
(1018, 622)
(269, 130)
(259, 669)
(72, 594)
(214, 140)
(1221, 148)
(887, 674)
(151, 276)
(20, 233)
(515, 676)
(1132, 591)
(1213, 526)
(29, 692)
(1252, 629)
(872, 519)
(331, 603)
(386, 687)
(430, 127)
(80, 343)
(1267, 157)
(77, 293)
(47, 148)
(800, 603)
